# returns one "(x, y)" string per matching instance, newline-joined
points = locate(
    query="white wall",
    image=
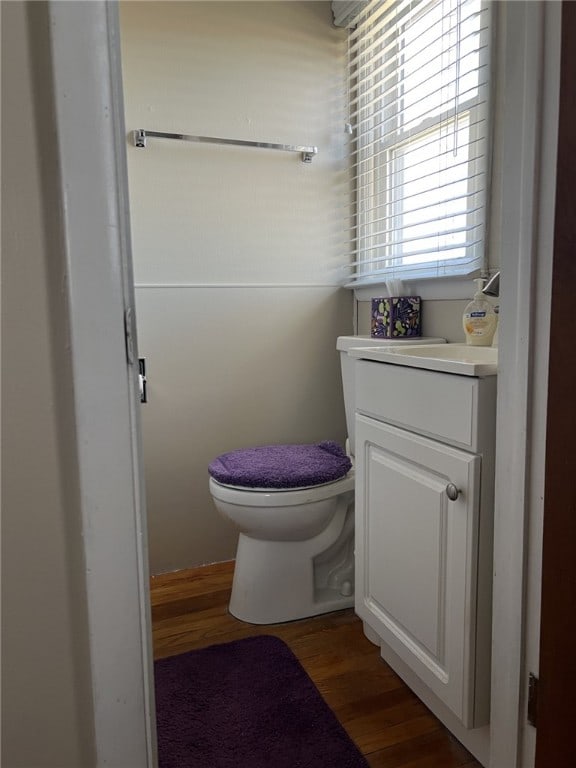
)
(237, 251)
(46, 689)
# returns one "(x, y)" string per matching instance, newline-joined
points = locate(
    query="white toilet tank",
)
(343, 344)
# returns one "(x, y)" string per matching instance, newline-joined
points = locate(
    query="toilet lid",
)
(281, 466)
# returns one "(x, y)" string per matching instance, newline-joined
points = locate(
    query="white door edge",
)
(532, 32)
(91, 137)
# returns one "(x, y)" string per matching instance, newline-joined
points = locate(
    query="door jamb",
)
(89, 107)
(527, 216)
(92, 148)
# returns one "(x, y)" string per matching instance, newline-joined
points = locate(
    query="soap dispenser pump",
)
(479, 319)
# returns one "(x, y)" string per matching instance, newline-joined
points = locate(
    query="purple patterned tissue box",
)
(395, 317)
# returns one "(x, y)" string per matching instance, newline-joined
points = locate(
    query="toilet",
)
(294, 508)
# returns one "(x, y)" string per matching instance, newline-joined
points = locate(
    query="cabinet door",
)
(416, 555)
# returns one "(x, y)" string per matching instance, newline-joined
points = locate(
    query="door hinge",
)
(532, 712)
(129, 335)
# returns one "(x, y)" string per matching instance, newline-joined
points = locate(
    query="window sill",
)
(442, 288)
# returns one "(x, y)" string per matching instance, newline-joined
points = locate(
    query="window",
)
(418, 75)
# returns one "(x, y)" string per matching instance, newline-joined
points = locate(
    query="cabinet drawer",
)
(441, 405)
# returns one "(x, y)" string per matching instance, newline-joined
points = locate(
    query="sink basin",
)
(448, 358)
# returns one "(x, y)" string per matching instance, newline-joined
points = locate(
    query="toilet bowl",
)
(295, 555)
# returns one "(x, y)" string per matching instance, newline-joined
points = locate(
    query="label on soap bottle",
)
(479, 326)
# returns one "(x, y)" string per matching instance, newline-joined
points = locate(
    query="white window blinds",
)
(419, 106)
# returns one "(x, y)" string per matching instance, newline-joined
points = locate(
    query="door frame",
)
(557, 672)
(92, 142)
(529, 140)
(89, 110)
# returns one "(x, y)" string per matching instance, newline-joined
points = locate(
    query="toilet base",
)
(287, 580)
(252, 613)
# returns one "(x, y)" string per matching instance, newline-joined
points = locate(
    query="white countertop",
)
(445, 358)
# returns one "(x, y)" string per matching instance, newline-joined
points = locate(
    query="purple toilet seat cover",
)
(281, 466)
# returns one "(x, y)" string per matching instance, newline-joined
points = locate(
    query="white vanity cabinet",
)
(424, 507)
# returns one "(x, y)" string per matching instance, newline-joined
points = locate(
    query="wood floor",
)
(389, 724)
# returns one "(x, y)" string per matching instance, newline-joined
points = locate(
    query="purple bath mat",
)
(246, 704)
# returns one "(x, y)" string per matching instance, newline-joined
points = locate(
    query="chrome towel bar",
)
(140, 137)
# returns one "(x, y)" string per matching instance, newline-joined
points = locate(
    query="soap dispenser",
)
(479, 319)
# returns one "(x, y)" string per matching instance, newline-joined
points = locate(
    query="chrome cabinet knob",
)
(452, 492)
